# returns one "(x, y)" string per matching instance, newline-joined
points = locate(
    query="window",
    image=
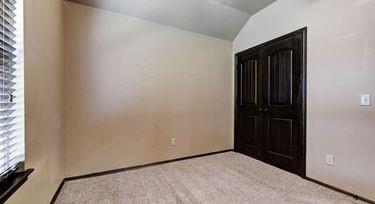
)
(11, 86)
(12, 146)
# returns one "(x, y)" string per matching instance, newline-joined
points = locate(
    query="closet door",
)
(249, 121)
(270, 102)
(283, 100)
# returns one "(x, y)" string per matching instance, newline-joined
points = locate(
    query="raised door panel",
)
(281, 143)
(249, 131)
(280, 77)
(249, 82)
(281, 137)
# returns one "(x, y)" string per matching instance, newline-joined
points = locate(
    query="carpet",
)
(218, 179)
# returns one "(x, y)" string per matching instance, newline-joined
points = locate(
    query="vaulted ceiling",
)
(218, 18)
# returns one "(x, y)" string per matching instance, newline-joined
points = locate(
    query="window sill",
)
(12, 184)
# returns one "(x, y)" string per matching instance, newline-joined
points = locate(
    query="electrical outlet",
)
(330, 160)
(365, 100)
(173, 141)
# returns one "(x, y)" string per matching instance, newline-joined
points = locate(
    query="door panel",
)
(280, 77)
(249, 69)
(249, 131)
(281, 136)
(270, 102)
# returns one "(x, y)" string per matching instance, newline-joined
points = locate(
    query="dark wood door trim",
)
(239, 58)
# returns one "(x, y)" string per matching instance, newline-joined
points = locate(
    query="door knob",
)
(266, 110)
(260, 109)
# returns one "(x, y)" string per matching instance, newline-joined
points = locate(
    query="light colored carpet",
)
(222, 178)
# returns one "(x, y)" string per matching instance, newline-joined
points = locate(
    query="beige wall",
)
(43, 100)
(340, 67)
(131, 85)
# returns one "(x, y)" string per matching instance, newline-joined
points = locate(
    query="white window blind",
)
(11, 85)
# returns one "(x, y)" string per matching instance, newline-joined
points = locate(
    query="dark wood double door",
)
(270, 102)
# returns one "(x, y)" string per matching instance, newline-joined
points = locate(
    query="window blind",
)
(11, 86)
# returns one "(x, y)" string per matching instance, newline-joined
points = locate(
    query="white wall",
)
(340, 67)
(131, 85)
(44, 55)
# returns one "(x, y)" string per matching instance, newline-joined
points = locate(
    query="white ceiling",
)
(218, 18)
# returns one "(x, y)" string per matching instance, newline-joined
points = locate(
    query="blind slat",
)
(7, 39)
(9, 5)
(6, 32)
(5, 69)
(5, 10)
(6, 47)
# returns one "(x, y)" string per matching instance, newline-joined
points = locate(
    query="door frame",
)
(304, 89)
